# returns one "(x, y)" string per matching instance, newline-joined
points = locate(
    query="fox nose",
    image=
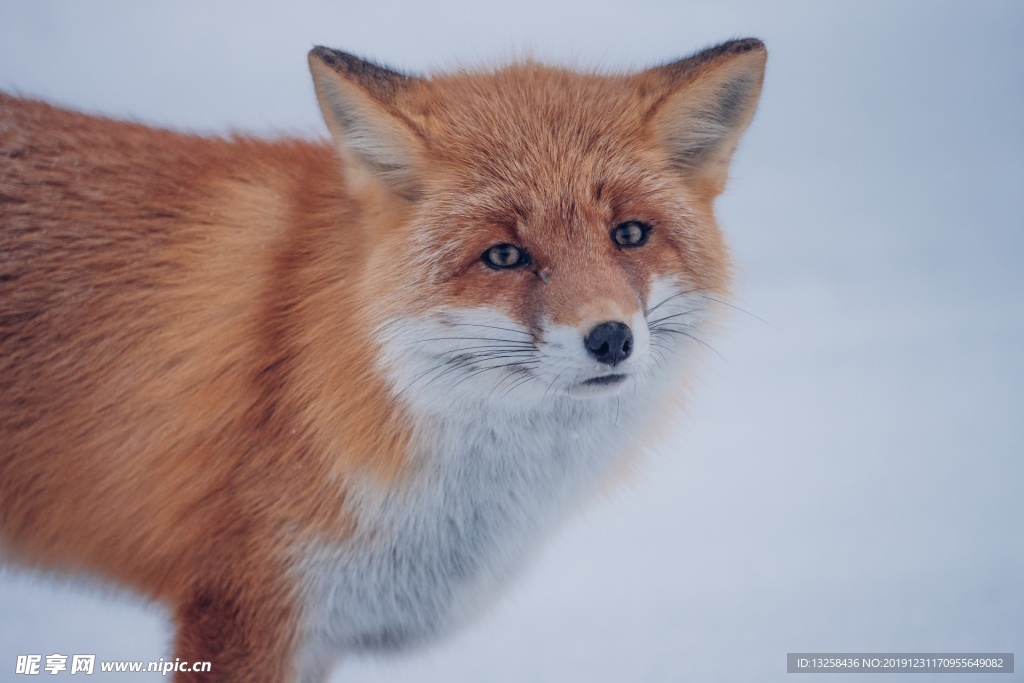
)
(610, 342)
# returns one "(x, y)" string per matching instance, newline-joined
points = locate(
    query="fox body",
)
(321, 398)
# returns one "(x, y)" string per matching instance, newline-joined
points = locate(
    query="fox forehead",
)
(532, 124)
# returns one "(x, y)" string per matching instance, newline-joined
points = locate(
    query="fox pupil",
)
(504, 256)
(631, 234)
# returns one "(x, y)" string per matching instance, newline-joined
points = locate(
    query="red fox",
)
(323, 398)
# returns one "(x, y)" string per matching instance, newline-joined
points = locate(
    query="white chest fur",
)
(425, 557)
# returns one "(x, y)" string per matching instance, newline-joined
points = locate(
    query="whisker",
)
(659, 358)
(662, 303)
(504, 379)
(674, 315)
(490, 367)
(455, 364)
(500, 356)
(733, 306)
(674, 296)
(480, 339)
(518, 383)
(699, 341)
(460, 361)
(421, 376)
(673, 327)
(493, 327)
(460, 353)
(552, 383)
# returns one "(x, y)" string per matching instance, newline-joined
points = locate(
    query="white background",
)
(848, 476)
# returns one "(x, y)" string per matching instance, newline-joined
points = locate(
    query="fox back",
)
(324, 398)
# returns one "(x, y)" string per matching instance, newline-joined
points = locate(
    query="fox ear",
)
(710, 98)
(358, 101)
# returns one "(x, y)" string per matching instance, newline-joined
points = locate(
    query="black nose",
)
(610, 343)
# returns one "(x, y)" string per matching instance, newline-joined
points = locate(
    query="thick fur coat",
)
(321, 398)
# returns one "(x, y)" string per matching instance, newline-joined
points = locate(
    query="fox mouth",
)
(602, 385)
(604, 380)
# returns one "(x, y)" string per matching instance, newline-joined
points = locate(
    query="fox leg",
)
(246, 637)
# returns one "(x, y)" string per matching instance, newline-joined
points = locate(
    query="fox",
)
(323, 397)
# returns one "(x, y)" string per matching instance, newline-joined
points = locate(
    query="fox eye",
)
(502, 256)
(630, 233)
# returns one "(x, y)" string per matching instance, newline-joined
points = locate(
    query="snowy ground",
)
(848, 477)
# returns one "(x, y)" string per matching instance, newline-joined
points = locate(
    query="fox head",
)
(535, 231)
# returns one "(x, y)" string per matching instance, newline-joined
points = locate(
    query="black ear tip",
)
(687, 67)
(745, 45)
(328, 56)
(370, 74)
(730, 48)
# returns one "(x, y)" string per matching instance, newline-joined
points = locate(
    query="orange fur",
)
(187, 325)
